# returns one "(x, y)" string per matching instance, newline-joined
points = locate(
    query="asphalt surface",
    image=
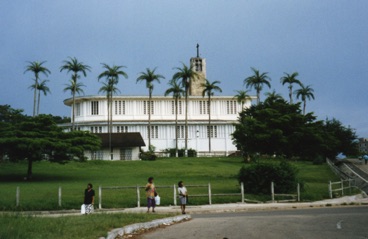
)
(339, 222)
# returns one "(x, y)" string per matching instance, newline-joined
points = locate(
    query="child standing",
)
(183, 194)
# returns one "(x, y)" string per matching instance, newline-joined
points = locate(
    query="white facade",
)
(130, 114)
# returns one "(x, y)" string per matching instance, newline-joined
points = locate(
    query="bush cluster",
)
(257, 178)
(191, 152)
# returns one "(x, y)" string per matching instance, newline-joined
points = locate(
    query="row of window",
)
(155, 131)
(119, 107)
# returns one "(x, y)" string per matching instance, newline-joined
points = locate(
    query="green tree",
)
(209, 89)
(185, 75)
(149, 77)
(73, 65)
(42, 87)
(37, 68)
(242, 97)
(257, 81)
(111, 75)
(338, 139)
(276, 127)
(177, 91)
(39, 138)
(305, 92)
(290, 80)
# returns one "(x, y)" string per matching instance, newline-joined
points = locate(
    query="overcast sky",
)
(324, 41)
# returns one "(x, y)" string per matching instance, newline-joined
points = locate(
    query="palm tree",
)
(40, 87)
(111, 74)
(149, 76)
(185, 74)
(242, 97)
(305, 92)
(75, 66)
(290, 79)
(209, 90)
(37, 68)
(74, 87)
(273, 97)
(257, 81)
(177, 91)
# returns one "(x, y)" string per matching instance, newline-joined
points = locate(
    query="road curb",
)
(129, 229)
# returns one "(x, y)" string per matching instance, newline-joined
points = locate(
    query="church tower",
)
(198, 65)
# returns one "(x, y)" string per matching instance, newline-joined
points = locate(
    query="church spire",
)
(197, 50)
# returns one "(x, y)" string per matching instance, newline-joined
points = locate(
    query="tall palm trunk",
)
(186, 121)
(258, 96)
(176, 127)
(74, 78)
(149, 117)
(110, 124)
(209, 123)
(291, 94)
(35, 95)
(38, 102)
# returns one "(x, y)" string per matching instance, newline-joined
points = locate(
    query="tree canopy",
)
(39, 138)
(277, 127)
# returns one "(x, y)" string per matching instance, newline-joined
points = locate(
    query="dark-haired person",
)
(89, 198)
(150, 193)
(183, 194)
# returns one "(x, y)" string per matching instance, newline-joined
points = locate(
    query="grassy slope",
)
(41, 192)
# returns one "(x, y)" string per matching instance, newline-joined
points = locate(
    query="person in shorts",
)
(183, 196)
(150, 193)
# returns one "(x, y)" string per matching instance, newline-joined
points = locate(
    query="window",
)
(96, 129)
(173, 107)
(181, 131)
(231, 107)
(126, 154)
(154, 132)
(198, 65)
(213, 131)
(97, 155)
(203, 107)
(145, 107)
(94, 108)
(77, 109)
(119, 107)
(121, 129)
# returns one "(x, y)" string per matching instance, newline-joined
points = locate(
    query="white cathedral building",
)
(130, 121)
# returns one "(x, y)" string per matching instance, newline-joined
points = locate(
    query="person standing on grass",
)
(183, 195)
(150, 193)
(89, 199)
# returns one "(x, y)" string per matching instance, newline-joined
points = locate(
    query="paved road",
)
(343, 222)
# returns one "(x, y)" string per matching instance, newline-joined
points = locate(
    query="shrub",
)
(148, 156)
(257, 178)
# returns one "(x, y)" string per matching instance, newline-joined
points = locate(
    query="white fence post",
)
(242, 191)
(99, 197)
(59, 196)
(298, 191)
(174, 194)
(209, 194)
(330, 189)
(17, 196)
(272, 192)
(138, 197)
(342, 187)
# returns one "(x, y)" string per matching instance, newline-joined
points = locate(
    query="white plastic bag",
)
(83, 209)
(157, 200)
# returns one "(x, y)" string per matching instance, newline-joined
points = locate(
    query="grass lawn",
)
(42, 192)
(92, 226)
